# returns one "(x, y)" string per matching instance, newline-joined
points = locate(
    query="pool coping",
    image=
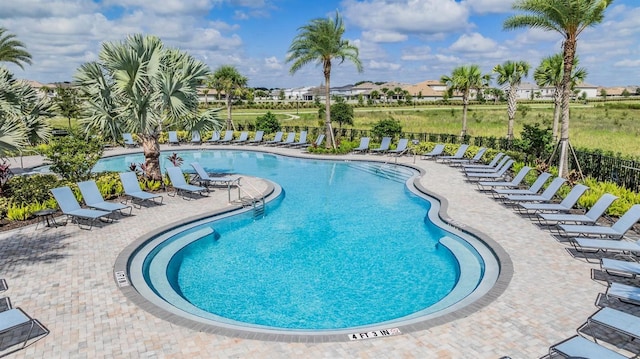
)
(500, 285)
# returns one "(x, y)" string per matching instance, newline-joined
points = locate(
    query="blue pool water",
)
(346, 245)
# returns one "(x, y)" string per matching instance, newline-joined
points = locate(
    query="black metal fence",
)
(621, 171)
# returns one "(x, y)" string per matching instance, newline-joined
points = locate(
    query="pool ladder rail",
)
(249, 196)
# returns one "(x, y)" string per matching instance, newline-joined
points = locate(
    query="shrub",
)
(267, 123)
(23, 190)
(73, 157)
(536, 142)
(387, 128)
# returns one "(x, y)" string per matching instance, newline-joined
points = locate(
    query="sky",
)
(407, 41)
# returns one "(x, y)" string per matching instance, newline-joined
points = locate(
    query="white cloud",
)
(474, 43)
(419, 17)
(383, 65)
(490, 6)
(272, 63)
(627, 63)
(384, 36)
(420, 53)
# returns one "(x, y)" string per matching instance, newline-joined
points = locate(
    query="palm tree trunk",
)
(151, 149)
(511, 110)
(327, 105)
(465, 104)
(229, 122)
(569, 54)
(557, 101)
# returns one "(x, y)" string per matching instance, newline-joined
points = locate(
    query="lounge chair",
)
(565, 205)
(291, 137)
(195, 138)
(3, 285)
(244, 137)
(401, 148)
(363, 147)
(475, 159)
(616, 231)
(437, 150)
(133, 190)
(515, 182)
(579, 347)
(317, 143)
(495, 168)
(620, 267)
(181, 186)
(492, 164)
(173, 138)
(615, 320)
(276, 139)
(535, 187)
(71, 208)
(545, 196)
(18, 330)
(205, 179)
(624, 292)
(384, 145)
(257, 138)
(302, 140)
(457, 156)
(592, 215)
(215, 138)
(128, 140)
(591, 245)
(228, 137)
(93, 199)
(501, 173)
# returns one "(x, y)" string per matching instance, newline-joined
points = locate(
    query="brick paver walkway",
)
(63, 276)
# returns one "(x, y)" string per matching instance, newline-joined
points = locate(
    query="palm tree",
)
(228, 79)
(385, 91)
(549, 73)
(140, 86)
(512, 73)
(12, 50)
(569, 18)
(321, 41)
(464, 79)
(374, 95)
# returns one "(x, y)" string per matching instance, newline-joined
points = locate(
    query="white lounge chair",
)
(364, 145)
(93, 199)
(71, 208)
(180, 185)
(133, 190)
(592, 215)
(616, 231)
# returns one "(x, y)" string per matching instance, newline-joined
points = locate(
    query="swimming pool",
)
(310, 265)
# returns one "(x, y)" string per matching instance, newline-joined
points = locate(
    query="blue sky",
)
(406, 41)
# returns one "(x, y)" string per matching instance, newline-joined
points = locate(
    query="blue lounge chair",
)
(384, 145)
(244, 137)
(302, 140)
(195, 138)
(620, 267)
(456, 156)
(363, 147)
(579, 347)
(128, 140)
(475, 159)
(500, 173)
(615, 320)
(215, 138)
(592, 215)
(438, 150)
(173, 138)
(493, 164)
(18, 330)
(616, 231)
(545, 196)
(291, 137)
(257, 138)
(181, 186)
(228, 137)
(565, 205)
(624, 292)
(133, 190)
(515, 182)
(317, 143)
(401, 149)
(276, 139)
(591, 245)
(205, 179)
(535, 187)
(93, 199)
(486, 169)
(71, 208)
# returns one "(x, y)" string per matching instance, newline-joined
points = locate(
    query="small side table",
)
(45, 217)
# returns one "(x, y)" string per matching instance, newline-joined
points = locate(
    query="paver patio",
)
(64, 277)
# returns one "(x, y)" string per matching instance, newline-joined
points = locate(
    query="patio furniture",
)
(215, 138)
(257, 138)
(302, 140)
(363, 147)
(276, 139)
(437, 150)
(492, 164)
(173, 138)
(181, 186)
(71, 208)
(18, 330)
(384, 146)
(133, 190)
(401, 148)
(579, 347)
(565, 205)
(475, 159)
(93, 199)
(244, 137)
(128, 140)
(228, 137)
(515, 182)
(195, 138)
(456, 156)
(535, 187)
(616, 231)
(545, 196)
(592, 215)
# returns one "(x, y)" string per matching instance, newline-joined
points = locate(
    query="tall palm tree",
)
(569, 18)
(321, 41)
(228, 79)
(464, 79)
(12, 50)
(140, 86)
(511, 73)
(549, 73)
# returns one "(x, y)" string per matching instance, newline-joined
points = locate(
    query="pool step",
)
(384, 170)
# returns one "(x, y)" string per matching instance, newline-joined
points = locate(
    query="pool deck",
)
(64, 277)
